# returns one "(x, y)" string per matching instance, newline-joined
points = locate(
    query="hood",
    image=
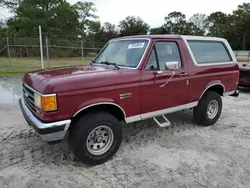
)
(76, 78)
(244, 68)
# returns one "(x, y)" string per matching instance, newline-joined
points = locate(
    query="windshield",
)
(125, 53)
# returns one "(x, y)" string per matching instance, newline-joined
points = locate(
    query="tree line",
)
(61, 20)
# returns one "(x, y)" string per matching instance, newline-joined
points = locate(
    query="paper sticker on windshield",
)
(136, 45)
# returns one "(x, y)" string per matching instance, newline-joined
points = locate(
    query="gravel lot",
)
(183, 155)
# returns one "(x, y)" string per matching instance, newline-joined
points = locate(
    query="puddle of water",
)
(10, 90)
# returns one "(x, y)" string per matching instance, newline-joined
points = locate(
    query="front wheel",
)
(209, 108)
(95, 137)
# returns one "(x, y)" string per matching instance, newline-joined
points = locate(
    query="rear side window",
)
(209, 52)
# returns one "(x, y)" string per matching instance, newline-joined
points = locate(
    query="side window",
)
(209, 52)
(152, 61)
(166, 52)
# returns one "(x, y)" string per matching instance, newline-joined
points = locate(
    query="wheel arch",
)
(217, 87)
(114, 109)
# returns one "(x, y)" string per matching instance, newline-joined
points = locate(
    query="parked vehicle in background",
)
(132, 79)
(245, 75)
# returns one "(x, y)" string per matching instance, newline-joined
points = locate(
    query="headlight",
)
(46, 103)
(37, 99)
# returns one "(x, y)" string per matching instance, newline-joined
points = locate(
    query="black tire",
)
(200, 111)
(81, 130)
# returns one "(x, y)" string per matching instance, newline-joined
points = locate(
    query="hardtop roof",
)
(170, 36)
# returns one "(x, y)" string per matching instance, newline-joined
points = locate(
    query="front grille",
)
(244, 75)
(28, 96)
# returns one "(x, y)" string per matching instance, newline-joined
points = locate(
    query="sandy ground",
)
(183, 155)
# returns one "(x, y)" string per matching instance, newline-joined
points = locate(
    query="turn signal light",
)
(48, 103)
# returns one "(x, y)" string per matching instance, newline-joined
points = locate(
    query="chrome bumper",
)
(49, 132)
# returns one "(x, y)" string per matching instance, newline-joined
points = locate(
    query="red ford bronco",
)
(132, 79)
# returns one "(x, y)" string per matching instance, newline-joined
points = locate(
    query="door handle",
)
(159, 72)
(183, 74)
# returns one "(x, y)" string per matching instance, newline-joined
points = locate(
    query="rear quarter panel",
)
(202, 77)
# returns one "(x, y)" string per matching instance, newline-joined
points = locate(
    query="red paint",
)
(245, 81)
(78, 87)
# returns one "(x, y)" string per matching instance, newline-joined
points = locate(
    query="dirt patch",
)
(183, 155)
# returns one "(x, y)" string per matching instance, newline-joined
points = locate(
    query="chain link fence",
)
(24, 53)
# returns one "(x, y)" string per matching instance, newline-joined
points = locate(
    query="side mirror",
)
(172, 65)
(243, 65)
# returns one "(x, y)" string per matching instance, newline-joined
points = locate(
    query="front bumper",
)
(50, 132)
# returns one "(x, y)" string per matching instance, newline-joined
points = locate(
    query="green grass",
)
(12, 72)
(35, 63)
(19, 66)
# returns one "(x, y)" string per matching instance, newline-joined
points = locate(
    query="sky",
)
(154, 11)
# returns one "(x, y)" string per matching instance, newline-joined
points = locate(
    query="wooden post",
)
(41, 46)
(82, 48)
(8, 48)
(47, 51)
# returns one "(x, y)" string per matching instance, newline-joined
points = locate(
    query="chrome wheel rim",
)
(100, 140)
(212, 109)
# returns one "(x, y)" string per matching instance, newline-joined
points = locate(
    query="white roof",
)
(190, 37)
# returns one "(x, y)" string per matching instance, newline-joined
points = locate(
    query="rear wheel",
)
(95, 137)
(209, 108)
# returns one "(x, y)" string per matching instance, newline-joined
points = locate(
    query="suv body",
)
(154, 75)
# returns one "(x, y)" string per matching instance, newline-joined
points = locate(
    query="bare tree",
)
(200, 21)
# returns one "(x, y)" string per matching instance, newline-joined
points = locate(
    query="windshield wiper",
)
(92, 61)
(109, 63)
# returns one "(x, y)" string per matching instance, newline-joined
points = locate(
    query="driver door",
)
(163, 89)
